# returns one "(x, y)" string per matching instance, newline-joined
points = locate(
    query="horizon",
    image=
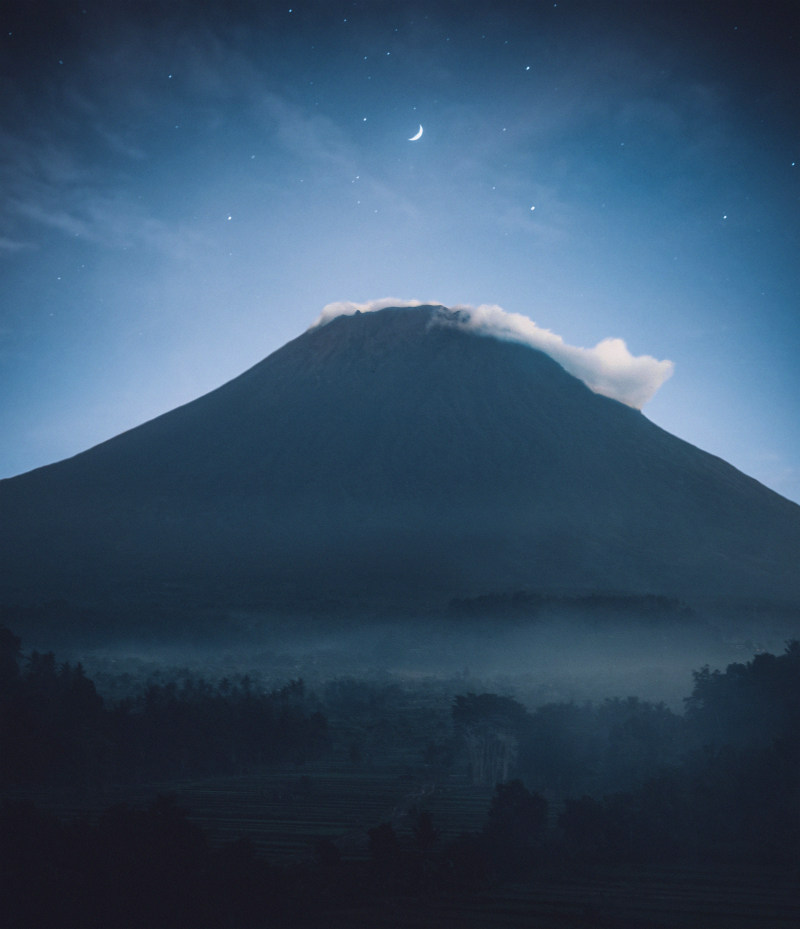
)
(187, 188)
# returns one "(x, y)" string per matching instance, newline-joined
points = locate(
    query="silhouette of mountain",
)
(389, 458)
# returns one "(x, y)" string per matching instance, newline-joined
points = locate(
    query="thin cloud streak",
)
(13, 246)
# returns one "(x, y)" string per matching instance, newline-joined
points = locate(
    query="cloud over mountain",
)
(608, 369)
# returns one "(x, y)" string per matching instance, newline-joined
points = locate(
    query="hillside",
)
(390, 458)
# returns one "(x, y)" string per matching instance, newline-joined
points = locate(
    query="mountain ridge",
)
(384, 457)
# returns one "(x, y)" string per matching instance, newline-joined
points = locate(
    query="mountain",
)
(395, 458)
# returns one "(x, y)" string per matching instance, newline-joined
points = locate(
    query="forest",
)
(482, 795)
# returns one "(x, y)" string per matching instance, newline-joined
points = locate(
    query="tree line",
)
(637, 782)
(56, 729)
(577, 786)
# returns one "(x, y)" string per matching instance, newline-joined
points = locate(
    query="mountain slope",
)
(392, 457)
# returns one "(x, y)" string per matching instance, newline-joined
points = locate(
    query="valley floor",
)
(285, 811)
(633, 898)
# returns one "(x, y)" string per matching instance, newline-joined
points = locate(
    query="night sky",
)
(185, 186)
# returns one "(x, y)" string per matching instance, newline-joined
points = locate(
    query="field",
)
(285, 811)
(391, 751)
(664, 898)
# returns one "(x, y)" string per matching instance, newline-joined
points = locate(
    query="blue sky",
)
(184, 187)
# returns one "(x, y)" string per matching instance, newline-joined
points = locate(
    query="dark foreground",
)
(384, 805)
(632, 898)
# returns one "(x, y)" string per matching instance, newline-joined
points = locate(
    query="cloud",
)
(108, 220)
(348, 308)
(10, 246)
(608, 369)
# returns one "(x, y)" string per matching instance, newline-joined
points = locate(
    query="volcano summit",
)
(395, 458)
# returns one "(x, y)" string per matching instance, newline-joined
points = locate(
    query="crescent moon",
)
(417, 136)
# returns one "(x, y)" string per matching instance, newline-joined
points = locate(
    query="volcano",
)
(395, 458)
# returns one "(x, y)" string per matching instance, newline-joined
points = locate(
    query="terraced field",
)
(285, 810)
(662, 898)
(284, 813)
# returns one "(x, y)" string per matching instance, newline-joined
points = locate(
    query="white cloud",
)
(348, 308)
(609, 368)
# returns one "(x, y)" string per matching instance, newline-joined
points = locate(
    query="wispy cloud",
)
(318, 144)
(349, 308)
(106, 219)
(48, 185)
(12, 246)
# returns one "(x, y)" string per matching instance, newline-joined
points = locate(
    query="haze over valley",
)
(413, 489)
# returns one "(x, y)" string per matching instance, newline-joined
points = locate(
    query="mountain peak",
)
(399, 456)
(608, 369)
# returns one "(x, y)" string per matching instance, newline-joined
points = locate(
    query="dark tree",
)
(465, 863)
(562, 748)
(384, 854)
(515, 828)
(425, 835)
(750, 704)
(490, 727)
(10, 655)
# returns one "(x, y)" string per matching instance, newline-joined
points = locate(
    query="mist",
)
(559, 650)
(310, 764)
